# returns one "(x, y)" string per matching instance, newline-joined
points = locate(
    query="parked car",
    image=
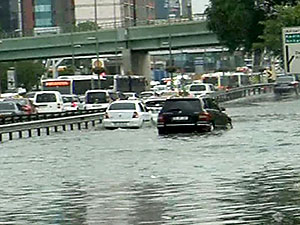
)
(219, 117)
(11, 108)
(286, 85)
(26, 105)
(202, 89)
(186, 115)
(72, 103)
(99, 99)
(48, 101)
(126, 114)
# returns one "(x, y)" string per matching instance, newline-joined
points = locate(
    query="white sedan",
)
(126, 114)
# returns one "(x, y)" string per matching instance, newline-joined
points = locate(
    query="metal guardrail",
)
(242, 92)
(43, 116)
(47, 124)
(54, 121)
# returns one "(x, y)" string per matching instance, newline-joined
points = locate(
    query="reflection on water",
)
(271, 196)
(247, 175)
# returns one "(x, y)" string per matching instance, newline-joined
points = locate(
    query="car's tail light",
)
(106, 115)
(160, 119)
(26, 108)
(58, 105)
(204, 116)
(74, 104)
(135, 115)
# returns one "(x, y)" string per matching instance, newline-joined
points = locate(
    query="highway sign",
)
(291, 49)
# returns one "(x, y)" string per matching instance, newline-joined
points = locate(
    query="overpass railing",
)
(103, 26)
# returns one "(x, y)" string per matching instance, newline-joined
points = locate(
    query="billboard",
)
(291, 49)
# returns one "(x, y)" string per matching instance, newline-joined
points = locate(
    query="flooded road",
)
(247, 175)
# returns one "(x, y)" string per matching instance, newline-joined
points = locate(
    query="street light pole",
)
(170, 46)
(115, 27)
(96, 39)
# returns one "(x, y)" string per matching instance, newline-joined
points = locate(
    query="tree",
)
(286, 16)
(85, 26)
(238, 23)
(28, 73)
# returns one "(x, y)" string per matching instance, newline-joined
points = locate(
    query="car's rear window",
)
(96, 97)
(197, 88)
(67, 99)
(182, 105)
(155, 103)
(122, 106)
(7, 106)
(45, 97)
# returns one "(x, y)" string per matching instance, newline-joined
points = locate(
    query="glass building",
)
(43, 13)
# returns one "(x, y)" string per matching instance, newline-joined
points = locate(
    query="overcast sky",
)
(199, 5)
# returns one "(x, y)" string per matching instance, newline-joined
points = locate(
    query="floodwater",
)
(247, 175)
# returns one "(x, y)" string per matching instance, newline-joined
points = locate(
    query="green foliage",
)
(286, 16)
(28, 73)
(235, 22)
(240, 23)
(85, 26)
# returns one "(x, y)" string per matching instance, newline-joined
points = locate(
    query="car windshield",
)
(197, 88)
(184, 105)
(96, 97)
(45, 97)
(7, 106)
(122, 106)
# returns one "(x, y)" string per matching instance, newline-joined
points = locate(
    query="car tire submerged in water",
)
(161, 131)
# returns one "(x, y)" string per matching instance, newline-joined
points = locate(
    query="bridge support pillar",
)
(136, 62)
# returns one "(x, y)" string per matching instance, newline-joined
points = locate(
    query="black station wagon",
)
(189, 115)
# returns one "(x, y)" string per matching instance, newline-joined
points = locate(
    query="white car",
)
(131, 95)
(72, 103)
(154, 106)
(48, 102)
(126, 114)
(201, 89)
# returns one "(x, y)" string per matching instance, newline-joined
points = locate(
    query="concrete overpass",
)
(133, 42)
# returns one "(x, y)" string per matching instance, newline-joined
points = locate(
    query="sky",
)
(199, 5)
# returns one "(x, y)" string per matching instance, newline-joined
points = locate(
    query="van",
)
(48, 101)
(201, 89)
(99, 99)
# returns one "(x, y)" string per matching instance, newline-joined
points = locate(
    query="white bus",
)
(79, 84)
(224, 81)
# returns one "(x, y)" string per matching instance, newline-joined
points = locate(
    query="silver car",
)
(10, 108)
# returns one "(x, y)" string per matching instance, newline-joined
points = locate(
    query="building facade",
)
(115, 13)
(166, 9)
(46, 16)
(9, 13)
